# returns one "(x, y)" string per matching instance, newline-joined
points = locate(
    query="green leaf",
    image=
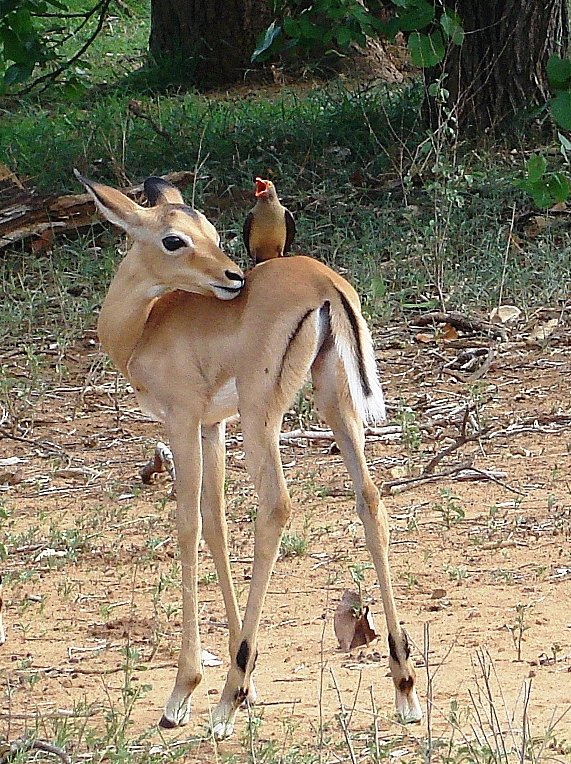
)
(541, 196)
(547, 190)
(17, 73)
(536, 166)
(302, 28)
(564, 146)
(452, 26)
(390, 28)
(21, 22)
(426, 50)
(416, 16)
(344, 36)
(74, 90)
(6, 6)
(265, 42)
(560, 107)
(14, 48)
(559, 187)
(559, 73)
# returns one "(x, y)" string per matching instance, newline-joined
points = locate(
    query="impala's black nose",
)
(234, 276)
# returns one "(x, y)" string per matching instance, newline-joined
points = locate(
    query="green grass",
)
(413, 221)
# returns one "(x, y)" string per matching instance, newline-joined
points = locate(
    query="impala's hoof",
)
(408, 706)
(167, 724)
(176, 713)
(223, 730)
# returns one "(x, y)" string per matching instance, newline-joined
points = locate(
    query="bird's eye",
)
(172, 243)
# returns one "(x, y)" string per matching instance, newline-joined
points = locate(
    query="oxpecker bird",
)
(269, 228)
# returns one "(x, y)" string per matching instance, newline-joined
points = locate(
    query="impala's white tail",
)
(354, 345)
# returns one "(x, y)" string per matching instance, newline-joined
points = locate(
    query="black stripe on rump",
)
(293, 335)
(355, 327)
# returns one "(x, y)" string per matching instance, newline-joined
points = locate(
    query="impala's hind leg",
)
(215, 529)
(261, 436)
(335, 406)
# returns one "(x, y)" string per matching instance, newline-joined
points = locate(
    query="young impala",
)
(199, 342)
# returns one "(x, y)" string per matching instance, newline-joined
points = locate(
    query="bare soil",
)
(481, 567)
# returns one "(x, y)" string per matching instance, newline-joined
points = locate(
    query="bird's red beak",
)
(261, 187)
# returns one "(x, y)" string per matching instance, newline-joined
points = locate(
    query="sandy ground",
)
(481, 567)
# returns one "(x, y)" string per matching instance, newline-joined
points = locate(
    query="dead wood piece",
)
(137, 110)
(461, 472)
(352, 622)
(460, 441)
(11, 188)
(162, 461)
(9, 751)
(459, 321)
(403, 484)
(32, 215)
(467, 361)
(388, 432)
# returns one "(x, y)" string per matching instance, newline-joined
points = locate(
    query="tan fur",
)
(193, 361)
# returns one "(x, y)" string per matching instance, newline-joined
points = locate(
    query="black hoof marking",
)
(166, 723)
(393, 647)
(242, 656)
(240, 696)
(406, 644)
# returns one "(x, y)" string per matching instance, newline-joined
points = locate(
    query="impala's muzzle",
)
(231, 290)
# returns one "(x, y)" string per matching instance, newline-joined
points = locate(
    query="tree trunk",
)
(499, 70)
(206, 43)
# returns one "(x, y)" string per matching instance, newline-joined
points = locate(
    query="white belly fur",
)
(224, 404)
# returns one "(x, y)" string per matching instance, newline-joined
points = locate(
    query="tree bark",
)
(207, 43)
(499, 70)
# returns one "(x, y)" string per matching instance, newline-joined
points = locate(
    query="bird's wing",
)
(290, 230)
(246, 231)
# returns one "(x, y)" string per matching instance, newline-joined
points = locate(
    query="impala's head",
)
(176, 245)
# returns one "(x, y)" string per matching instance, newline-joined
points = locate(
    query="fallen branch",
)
(471, 359)
(31, 215)
(460, 472)
(389, 432)
(9, 751)
(463, 438)
(459, 321)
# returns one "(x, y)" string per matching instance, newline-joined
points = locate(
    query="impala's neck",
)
(125, 310)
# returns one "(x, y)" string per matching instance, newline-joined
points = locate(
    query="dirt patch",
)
(481, 559)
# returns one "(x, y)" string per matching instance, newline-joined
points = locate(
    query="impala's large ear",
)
(160, 191)
(112, 204)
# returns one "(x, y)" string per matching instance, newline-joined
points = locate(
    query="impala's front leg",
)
(185, 442)
(264, 464)
(215, 529)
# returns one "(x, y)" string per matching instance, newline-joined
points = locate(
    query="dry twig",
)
(9, 751)
(461, 322)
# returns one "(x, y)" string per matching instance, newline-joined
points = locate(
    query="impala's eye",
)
(172, 243)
